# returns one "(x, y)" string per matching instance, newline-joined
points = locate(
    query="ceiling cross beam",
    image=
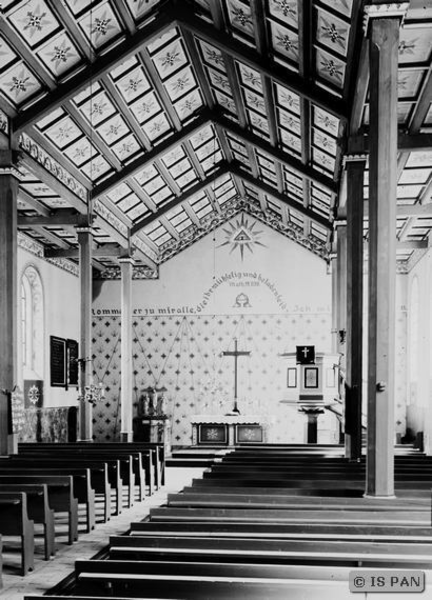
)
(283, 198)
(93, 71)
(169, 206)
(140, 163)
(269, 67)
(289, 161)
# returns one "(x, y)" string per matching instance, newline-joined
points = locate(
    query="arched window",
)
(32, 324)
(414, 308)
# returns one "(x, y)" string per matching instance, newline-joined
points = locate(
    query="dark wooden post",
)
(9, 177)
(85, 240)
(126, 265)
(383, 31)
(355, 166)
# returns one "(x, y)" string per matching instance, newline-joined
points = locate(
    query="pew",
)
(60, 494)
(14, 521)
(39, 510)
(84, 492)
(149, 469)
(105, 472)
(293, 551)
(99, 473)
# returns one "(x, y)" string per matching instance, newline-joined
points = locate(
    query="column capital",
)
(352, 158)
(340, 223)
(84, 229)
(126, 260)
(386, 10)
(11, 170)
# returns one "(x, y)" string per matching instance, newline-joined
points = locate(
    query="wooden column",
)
(85, 241)
(341, 322)
(126, 433)
(334, 282)
(383, 32)
(355, 167)
(9, 177)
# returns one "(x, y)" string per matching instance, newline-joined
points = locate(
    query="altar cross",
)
(236, 353)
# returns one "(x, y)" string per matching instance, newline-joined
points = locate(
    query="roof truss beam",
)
(106, 250)
(266, 65)
(59, 217)
(93, 71)
(289, 161)
(149, 157)
(166, 208)
(283, 198)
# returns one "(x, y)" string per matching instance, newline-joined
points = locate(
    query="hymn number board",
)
(63, 362)
(305, 355)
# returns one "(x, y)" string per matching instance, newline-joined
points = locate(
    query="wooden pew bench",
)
(102, 478)
(224, 528)
(39, 510)
(166, 578)
(84, 492)
(346, 553)
(148, 468)
(60, 495)
(14, 521)
(280, 515)
(99, 476)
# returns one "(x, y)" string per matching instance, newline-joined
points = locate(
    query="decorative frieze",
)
(30, 147)
(36, 248)
(104, 212)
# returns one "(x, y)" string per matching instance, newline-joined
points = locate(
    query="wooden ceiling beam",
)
(407, 142)
(304, 11)
(283, 198)
(407, 210)
(34, 203)
(65, 17)
(140, 163)
(423, 104)
(290, 161)
(168, 206)
(105, 250)
(93, 71)
(50, 236)
(266, 65)
(126, 113)
(58, 217)
(361, 89)
(53, 183)
(92, 136)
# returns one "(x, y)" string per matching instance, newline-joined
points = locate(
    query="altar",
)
(226, 430)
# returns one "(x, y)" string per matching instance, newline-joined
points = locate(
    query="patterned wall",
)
(183, 353)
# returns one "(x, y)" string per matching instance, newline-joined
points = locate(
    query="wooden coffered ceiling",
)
(163, 119)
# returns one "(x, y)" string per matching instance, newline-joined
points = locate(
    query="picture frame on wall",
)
(292, 377)
(311, 377)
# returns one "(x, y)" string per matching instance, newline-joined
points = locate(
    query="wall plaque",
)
(58, 361)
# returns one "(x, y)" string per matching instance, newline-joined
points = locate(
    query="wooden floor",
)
(48, 574)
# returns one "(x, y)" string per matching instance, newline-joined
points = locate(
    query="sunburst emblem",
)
(241, 235)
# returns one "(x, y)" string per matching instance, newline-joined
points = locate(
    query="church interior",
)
(215, 299)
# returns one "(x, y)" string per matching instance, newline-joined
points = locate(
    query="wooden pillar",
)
(85, 241)
(355, 166)
(126, 433)
(9, 177)
(383, 31)
(341, 322)
(334, 283)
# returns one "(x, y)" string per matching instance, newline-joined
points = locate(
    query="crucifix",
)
(236, 353)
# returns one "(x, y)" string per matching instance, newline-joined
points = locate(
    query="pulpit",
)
(226, 430)
(311, 386)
